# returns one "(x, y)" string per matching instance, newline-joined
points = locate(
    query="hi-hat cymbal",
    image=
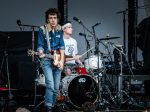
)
(108, 38)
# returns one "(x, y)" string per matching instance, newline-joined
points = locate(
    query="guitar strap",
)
(47, 37)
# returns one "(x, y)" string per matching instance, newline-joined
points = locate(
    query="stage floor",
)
(28, 103)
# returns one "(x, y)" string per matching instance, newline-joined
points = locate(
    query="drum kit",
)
(87, 83)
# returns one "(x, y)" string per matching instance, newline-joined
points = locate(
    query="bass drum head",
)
(81, 89)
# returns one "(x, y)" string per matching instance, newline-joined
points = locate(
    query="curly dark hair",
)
(52, 11)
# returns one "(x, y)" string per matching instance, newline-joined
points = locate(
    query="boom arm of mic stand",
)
(33, 29)
(29, 25)
(86, 28)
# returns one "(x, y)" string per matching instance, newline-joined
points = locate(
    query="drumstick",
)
(86, 51)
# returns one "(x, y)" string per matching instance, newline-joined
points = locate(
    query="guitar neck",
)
(44, 55)
(47, 55)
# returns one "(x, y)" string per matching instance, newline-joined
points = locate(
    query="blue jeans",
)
(52, 81)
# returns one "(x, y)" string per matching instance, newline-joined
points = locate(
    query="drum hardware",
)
(97, 41)
(137, 86)
(122, 96)
(101, 101)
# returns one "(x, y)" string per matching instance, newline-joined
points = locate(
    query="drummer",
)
(71, 50)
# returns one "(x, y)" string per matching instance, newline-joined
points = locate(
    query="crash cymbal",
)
(108, 38)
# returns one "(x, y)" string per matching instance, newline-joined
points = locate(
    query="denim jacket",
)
(56, 40)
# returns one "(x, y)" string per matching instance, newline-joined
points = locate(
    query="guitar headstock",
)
(30, 52)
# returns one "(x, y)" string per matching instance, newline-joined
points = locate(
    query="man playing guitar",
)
(50, 39)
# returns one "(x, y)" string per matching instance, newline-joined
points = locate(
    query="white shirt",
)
(70, 48)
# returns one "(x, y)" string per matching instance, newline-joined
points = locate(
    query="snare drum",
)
(81, 70)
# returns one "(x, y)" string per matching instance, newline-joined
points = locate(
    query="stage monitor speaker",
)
(26, 76)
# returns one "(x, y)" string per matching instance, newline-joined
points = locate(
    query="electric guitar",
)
(54, 55)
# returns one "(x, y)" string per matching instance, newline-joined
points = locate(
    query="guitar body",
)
(55, 55)
(56, 58)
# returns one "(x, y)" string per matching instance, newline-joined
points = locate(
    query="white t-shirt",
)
(70, 48)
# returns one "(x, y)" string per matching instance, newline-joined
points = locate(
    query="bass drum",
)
(79, 89)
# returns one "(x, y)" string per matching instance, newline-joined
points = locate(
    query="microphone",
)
(96, 24)
(85, 35)
(18, 22)
(76, 19)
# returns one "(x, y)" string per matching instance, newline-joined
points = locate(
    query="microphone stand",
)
(97, 54)
(124, 28)
(33, 39)
(88, 45)
(33, 36)
(5, 58)
(86, 28)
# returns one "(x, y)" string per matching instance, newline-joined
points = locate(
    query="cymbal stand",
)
(101, 101)
(120, 94)
(97, 54)
(107, 96)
